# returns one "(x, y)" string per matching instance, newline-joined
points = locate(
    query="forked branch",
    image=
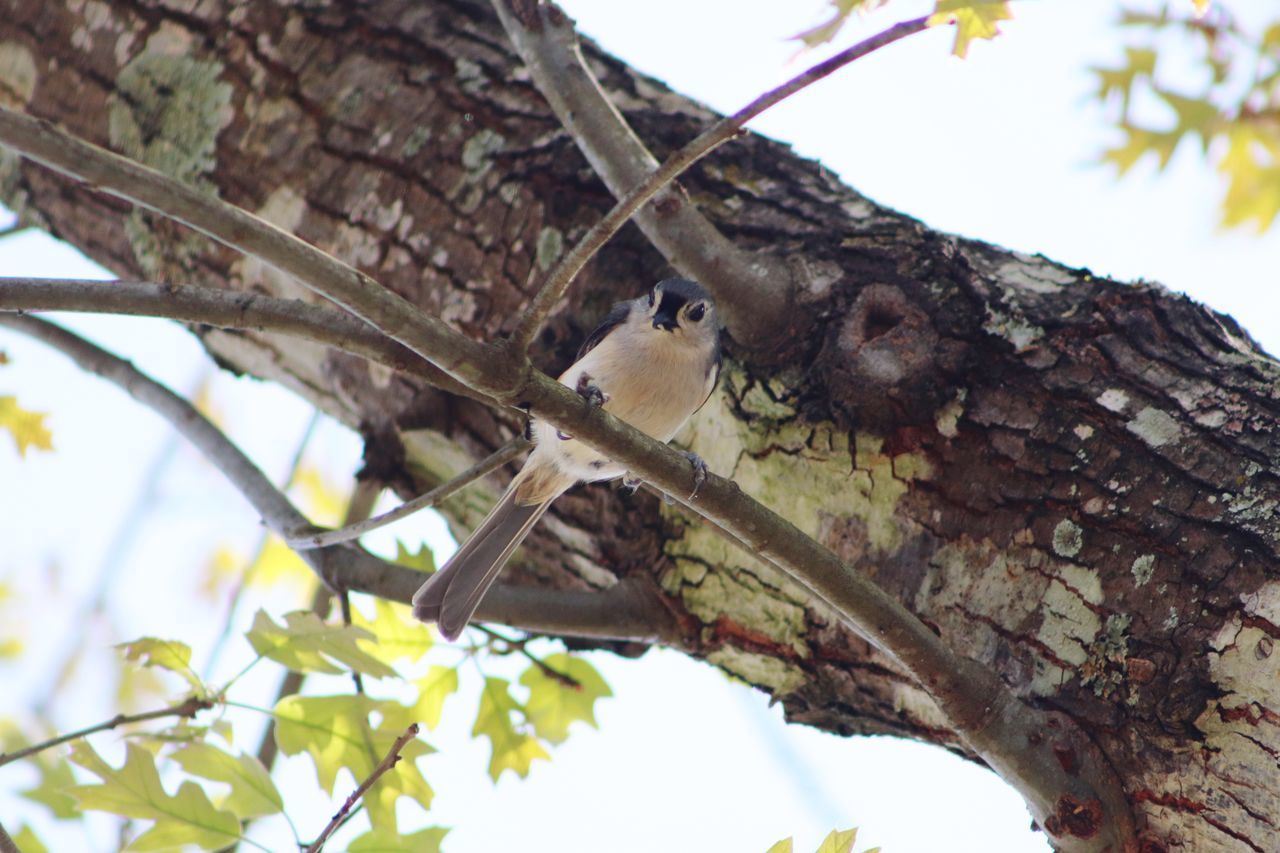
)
(753, 290)
(1002, 729)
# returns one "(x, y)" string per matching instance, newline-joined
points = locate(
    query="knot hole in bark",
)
(884, 363)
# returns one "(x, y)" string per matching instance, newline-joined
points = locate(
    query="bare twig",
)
(520, 647)
(392, 758)
(226, 309)
(187, 708)
(626, 611)
(395, 316)
(998, 726)
(753, 291)
(492, 462)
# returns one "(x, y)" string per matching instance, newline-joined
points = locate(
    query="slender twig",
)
(1001, 728)
(626, 611)
(395, 316)
(520, 647)
(753, 292)
(391, 760)
(187, 708)
(492, 462)
(225, 309)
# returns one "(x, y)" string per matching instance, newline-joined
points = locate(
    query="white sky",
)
(998, 148)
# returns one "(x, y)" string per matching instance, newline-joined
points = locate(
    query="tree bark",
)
(1069, 478)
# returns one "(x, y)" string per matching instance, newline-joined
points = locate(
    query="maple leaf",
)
(512, 749)
(135, 791)
(974, 19)
(27, 428)
(553, 704)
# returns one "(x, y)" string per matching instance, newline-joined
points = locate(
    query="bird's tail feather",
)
(451, 595)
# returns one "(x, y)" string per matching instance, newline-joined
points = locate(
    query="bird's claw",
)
(700, 471)
(590, 391)
(630, 484)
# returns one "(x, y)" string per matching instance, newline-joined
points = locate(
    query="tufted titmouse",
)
(653, 362)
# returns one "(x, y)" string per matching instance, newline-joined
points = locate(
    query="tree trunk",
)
(1069, 478)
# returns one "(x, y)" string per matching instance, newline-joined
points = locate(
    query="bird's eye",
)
(697, 312)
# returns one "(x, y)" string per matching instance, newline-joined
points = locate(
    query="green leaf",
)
(783, 846)
(135, 791)
(51, 791)
(1140, 142)
(395, 635)
(553, 705)
(27, 428)
(164, 654)
(253, 794)
(306, 644)
(422, 559)
(335, 732)
(512, 750)
(974, 19)
(828, 29)
(433, 688)
(382, 841)
(838, 842)
(26, 841)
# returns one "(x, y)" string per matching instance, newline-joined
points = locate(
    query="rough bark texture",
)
(1071, 478)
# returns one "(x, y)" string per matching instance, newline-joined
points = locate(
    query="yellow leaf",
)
(381, 841)
(307, 644)
(335, 732)
(1202, 6)
(783, 846)
(974, 19)
(27, 428)
(512, 750)
(397, 636)
(838, 841)
(433, 688)
(253, 794)
(165, 654)
(554, 704)
(187, 817)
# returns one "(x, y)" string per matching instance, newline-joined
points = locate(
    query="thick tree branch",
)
(623, 612)
(7, 844)
(226, 309)
(753, 290)
(303, 541)
(187, 708)
(1005, 731)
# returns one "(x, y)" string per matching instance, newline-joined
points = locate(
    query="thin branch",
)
(520, 647)
(395, 316)
(753, 291)
(491, 463)
(1004, 730)
(187, 708)
(226, 309)
(391, 760)
(626, 611)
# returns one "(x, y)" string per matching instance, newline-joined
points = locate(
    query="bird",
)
(653, 362)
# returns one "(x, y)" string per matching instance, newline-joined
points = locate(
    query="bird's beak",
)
(665, 318)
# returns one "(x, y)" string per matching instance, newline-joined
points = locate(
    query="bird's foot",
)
(590, 391)
(700, 471)
(630, 484)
